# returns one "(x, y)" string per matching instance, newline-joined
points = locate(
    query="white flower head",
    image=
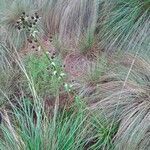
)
(39, 48)
(67, 87)
(47, 52)
(59, 78)
(54, 72)
(62, 74)
(34, 33)
(26, 18)
(53, 64)
(70, 85)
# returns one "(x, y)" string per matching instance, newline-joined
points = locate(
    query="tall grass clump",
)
(28, 127)
(126, 25)
(74, 18)
(61, 87)
(11, 15)
(126, 101)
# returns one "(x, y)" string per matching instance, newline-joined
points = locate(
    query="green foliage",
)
(47, 74)
(34, 131)
(97, 70)
(31, 128)
(126, 25)
(117, 92)
(10, 14)
(103, 133)
(87, 43)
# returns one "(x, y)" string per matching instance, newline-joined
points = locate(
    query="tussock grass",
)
(126, 25)
(126, 103)
(27, 126)
(31, 129)
(10, 14)
(107, 107)
(26, 123)
(74, 18)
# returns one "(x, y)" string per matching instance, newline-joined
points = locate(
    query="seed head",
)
(35, 40)
(23, 13)
(32, 17)
(22, 19)
(29, 40)
(33, 46)
(19, 28)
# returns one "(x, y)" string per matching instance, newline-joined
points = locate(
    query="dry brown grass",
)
(70, 19)
(126, 103)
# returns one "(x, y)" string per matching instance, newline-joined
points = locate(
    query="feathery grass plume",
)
(10, 17)
(130, 104)
(126, 25)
